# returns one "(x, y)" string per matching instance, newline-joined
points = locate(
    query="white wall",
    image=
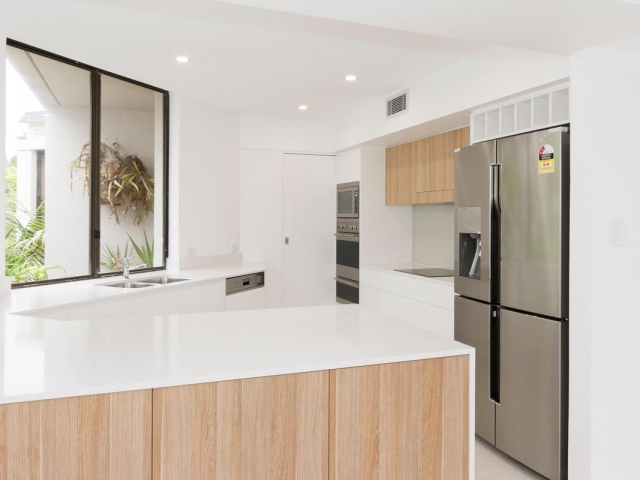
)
(433, 234)
(205, 182)
(261, 216)
(348, 166)
(604, 315)
(385, 231)
(5, 283)
(487, 76)
(285, 134)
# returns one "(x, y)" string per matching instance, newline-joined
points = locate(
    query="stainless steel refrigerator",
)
(511, 281)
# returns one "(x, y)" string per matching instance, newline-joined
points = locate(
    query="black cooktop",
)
(429, 272)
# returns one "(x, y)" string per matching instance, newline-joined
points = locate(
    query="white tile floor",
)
(492, 464)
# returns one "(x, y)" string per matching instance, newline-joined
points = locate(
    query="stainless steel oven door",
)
(348, 256)
(347, 200)
(347, 291)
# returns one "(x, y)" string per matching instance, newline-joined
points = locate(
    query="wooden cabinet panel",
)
(399, 174)
(262, 428)
(400, 420)
(423, 167)
(104, 437)
(429, 178)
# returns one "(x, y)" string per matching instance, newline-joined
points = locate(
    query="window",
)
(68, 217)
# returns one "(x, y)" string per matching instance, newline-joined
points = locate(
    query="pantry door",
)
(309, 223)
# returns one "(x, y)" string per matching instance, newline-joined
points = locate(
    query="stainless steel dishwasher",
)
(246, 292)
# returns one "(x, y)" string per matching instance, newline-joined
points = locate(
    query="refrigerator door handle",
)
(494, 355)
(496, 228)
(496, 171)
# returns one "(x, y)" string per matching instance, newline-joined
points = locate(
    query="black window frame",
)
(94, 232)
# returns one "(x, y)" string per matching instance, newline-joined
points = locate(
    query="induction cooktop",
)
(429, 272)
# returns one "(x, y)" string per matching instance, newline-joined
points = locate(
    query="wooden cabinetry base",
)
(400, 421)
(261, 428)
(101, 437)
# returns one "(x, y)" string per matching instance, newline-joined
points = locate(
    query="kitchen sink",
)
(127, 285)
(163, 280)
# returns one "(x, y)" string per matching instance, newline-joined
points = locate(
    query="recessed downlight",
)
(350, 78)
(182, 59)
(302, 107)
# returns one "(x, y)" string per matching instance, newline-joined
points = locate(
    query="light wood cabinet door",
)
(102, 437)
(433, 169)
(272, 428)
(401, 420)
(399, 184)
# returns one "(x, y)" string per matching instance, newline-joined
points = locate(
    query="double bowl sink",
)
(146, 282)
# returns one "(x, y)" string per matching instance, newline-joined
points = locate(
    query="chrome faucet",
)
(126, 269)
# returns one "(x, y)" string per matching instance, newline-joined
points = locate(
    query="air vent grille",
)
(397, 104)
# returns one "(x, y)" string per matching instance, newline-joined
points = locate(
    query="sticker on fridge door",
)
(545, 159)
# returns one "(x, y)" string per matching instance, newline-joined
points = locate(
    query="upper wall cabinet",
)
(399, 164)
(422, 171)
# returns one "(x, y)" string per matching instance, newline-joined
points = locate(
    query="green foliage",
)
(24, 242)
(145, 252)
(111, 260)
(11, 183)
(124, 181)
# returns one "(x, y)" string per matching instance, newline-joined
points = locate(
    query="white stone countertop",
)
(34, 299)
(44, 358)
(392, 267)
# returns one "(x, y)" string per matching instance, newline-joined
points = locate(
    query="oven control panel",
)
(348, 226)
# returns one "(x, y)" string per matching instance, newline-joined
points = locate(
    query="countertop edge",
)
(390, 270)
(152, 384)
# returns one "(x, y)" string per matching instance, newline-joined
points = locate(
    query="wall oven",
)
(348, 261)
(348, 201)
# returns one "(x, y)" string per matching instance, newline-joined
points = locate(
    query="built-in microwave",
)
(348, 201)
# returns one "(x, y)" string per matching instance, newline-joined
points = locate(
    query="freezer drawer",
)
(531, 418)
(472, 327)
(535, 222)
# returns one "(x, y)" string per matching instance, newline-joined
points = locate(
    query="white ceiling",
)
(58, 84)
(245, 60)
(556, 26)
(255, 61)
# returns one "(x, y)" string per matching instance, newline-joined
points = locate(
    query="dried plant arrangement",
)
(125, 182)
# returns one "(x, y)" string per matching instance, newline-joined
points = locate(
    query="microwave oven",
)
(348, 201)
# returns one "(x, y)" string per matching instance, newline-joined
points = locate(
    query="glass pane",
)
(48, 127)
(131, 175)
(345, 202)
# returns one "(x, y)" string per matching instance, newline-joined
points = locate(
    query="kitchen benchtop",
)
(44, 358)
(72, 294)
(392, 267)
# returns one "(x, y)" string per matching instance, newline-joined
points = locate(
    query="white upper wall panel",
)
(558, 26)
(490, 75)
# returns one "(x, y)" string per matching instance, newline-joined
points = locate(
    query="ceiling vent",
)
(397, 105)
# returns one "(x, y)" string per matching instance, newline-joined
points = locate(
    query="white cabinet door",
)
(250, 300)
(309, 217)
(162, 303)
(205, 298)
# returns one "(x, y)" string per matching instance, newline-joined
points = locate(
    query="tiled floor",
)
(492, 464)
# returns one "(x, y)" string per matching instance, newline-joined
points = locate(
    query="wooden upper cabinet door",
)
(102, 437)
(405, 420)
(272, 428)
(423, 165)
(399, 184)
(462, 138)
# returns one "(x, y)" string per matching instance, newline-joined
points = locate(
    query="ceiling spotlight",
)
(182, 59)
(302, 107)
(350, 78)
